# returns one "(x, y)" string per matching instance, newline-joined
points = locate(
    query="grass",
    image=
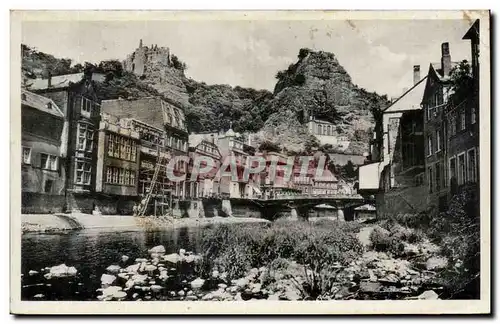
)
(317, 246)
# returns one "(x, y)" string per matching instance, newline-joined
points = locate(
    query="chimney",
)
(416, 74)
(140, 43)
(49, 80)
(445, 59)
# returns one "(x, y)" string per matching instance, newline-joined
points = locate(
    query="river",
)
(91, 252)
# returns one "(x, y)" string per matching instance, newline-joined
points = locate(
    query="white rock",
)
(428, 295)
(133, 268)
(124, 276)
(130, 283)
(107, 279)
(222, 285)
(39, 296)
(142, 267)
(157, 249)
(150, 268)
(33, 272)
(62, 271)
(139, 279)
(208, 296)
(140, 260)
(114, 269)
(215, 274)
(191, 298)
(436, 263)
(182, 252)
(156, 288)
(125, 258)
(181, 293)
(172, 258)
(242, 282)
(197, 283)
(163, 275)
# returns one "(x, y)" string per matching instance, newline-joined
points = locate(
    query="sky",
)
(378, 54)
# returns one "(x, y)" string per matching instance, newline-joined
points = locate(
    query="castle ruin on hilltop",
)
(137, 61)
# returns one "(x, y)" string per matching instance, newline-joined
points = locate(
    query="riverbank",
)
(57, 223)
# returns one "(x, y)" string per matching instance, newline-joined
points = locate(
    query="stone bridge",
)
(300, 204)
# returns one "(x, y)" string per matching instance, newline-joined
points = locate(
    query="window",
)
(115, 175)
(126, 181)
(121, 174)
(48, 162)
(85, 136)
(453, 125)
(438, 176)
(44, 159)
(26, 155)
(473, 115)
(48, 186)
(471, 165)
(461, 169)
(431, 179)
(438, 140)
(83, 172)
(86, 107)
(462, 119)
(109, 175)
(123, 152)
(133, 154)
(111, 144)
(329, 132)
(319, 130)
(453, 169)
(429, 145)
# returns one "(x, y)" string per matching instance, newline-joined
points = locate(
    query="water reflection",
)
(91, 252)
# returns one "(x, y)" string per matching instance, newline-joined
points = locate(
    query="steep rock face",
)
(318, 85)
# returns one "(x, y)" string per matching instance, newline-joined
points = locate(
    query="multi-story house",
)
(162, 133)
(202, 146)
(396, 170)
(462, 116)
(326, 133)
(42, 135)
(434, 103)
(117, 166)
(74, 94)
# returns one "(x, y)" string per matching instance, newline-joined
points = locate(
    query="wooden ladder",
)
(144, 203)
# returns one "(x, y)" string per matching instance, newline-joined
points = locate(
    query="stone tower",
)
(138, 61)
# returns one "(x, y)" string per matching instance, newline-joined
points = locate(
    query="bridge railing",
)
(310, 196)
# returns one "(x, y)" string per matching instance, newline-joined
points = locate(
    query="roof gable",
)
(40, 103)
(411, 99)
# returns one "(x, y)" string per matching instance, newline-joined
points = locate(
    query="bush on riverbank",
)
(318, 246)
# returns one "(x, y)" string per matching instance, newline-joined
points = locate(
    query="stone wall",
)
(410, 200)
(41, 203)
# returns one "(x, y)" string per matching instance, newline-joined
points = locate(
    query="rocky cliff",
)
(315, 85)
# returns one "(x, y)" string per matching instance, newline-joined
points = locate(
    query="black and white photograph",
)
(247, 162)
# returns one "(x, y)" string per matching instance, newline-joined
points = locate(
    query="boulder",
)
(222, 286)
(182, 252)
(114, 269)
(242, 282)
(107, 279)
(129, 284)
(150, 268)
(139, 279)
(428, 295)
(156, 288)
(172, 258)
(369, 287)
(197, 283)
(62, 271)
(133, 268)
(389, 279)
(113, 292)
(125, 258)
(157, 249)
(436, 263)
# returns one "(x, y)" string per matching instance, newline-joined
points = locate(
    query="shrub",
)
(380, 239)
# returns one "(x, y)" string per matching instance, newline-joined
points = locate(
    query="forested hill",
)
(316, 83)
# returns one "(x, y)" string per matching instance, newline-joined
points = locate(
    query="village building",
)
(395, 173)
(43, 129)
(162, 135)
(463, 126)
(75, 96)
(117, 167)
(326, 133)
(434, 103)
(202, 146)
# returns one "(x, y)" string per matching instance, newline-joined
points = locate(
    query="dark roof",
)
(150, 110)
(473, 32)
(41, 103)
(56, 82)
